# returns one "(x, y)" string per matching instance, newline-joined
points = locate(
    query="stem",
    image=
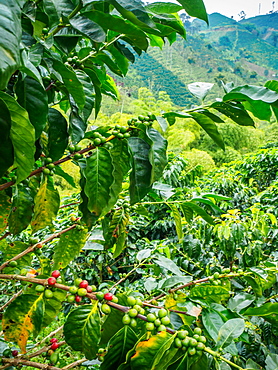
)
(94, 52)
(70, 204)
(56, 163)
(216, 354)
(128, 274)
(73, 364)
(32, 247)
(10, 300)
(17, 361)
(5, 235)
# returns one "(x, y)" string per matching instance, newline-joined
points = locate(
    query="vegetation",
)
(146, 263)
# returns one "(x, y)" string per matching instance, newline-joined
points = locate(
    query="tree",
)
(54, 58)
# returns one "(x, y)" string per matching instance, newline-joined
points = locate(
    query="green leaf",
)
(180, 364)
(82, 329)
(121, 163)
(60, 172)
(174, 280)
(5, 206)
(234, 111)
(271, 361)
(52, 10)
(117, 24)
(89, 94)
(212, 322)
(249, 92)
(88, 28)
(177, 218)
(87, 217)
(210, 127)
(69, 247)
(167, 264)
(140, 177)
(32, 96)
(119, 223)
(10, 31)
(72, 83)
(57, 134)
(195, 9)
(240, 301)
(199, 210)
(99, 179)
(53, 306)
(268, 311)
(22, 209)
(209, 293)
(148, 352)
(6, 146)
(22, 318)
(158, 153)
(163, 8)
(118, 346)
(229, 331)
(47, 202)
(23, 137)
(200, 89)
(13, 249)
(77, 125)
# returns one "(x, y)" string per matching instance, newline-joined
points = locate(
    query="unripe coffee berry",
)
(73, 289)
(149, 326)
(132, 312)
(105, 308)
(82, 292)
(131, 301)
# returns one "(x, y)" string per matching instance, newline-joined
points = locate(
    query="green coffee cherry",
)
(105, 308)
(39, 288)
(149, 326)
(126, 319)
(132, 312)
(162, 313)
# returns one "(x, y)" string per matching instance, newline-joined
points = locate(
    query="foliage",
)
(126, 249)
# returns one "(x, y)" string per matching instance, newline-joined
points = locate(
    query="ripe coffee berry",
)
(108, 296)
(14, 352)
(53, 340)
(55, 274)
(51, 281)
(54, 346)
(89, 289)
(78, 299)
(83, 284)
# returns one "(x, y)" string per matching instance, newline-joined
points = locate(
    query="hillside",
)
(226, 51)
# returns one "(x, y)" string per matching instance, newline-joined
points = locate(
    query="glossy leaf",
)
(167, 264)
(22, 209)
(177, 217)
(77, 125)
(212, 321)
(53, 306)
(200, 89)
(99, 179)
(69, 247)
(88, 28)
(5, 206)
(52, 10)
(10, 30)
(199, 210)
(73, 85)
(32, 96)
(47, 202)
(11, 250)
(229, 331)
(140, 177)
(118, 346)
(89, 94)
(163, 8)
(268, 311)
(195, 9)
(23, 137)
(23, 318)
(174, 280)
(6, 146)
(148, 352)
(210, 293)
(158, 155)
(82, 329)
(234, 111)
(272, 361)
(249, 92)
(57, 134)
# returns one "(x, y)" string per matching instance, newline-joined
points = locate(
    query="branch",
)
(17, 361)
(32, 247)
(10, 300)
(75, 363)
(5, 235)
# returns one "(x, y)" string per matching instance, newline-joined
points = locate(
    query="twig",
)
(75, 363)
(69, 204)
(10, 300)
(5, 235)
(17, 361)
(32, 247)
(45, 339)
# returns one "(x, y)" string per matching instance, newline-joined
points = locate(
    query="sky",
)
(234, 7)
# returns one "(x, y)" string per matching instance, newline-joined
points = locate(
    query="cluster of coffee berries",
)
(74, 61)
(10, 353)
(193, 345)
(98, 139)
(158, 320)
(52, 280)
(121, 132)
(147, 120)
(79, 289)
(73, 149)
(135, 309)
(49, 168)
(103, 296)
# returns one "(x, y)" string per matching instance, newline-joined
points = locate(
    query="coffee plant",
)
(82, 283)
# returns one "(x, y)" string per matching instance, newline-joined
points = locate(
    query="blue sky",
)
(234, 7)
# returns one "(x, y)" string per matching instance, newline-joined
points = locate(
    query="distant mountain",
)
(242, 52)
